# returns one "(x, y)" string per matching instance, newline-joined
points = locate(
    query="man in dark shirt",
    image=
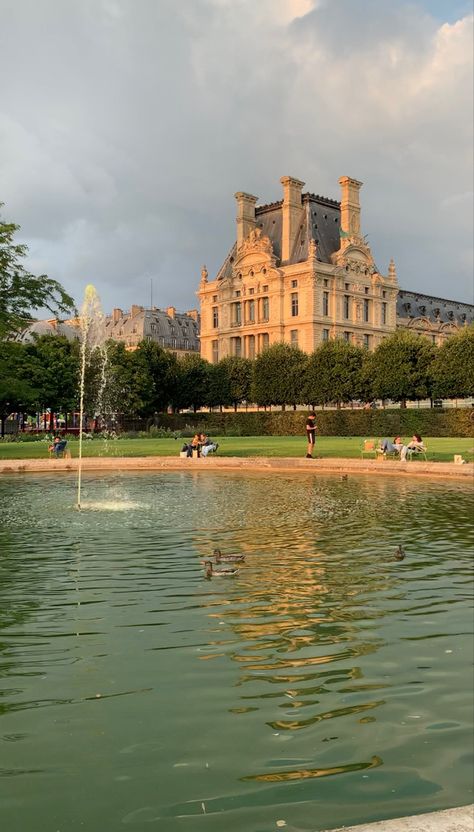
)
(310, 434)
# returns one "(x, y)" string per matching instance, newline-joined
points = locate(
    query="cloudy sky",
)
(126, 126)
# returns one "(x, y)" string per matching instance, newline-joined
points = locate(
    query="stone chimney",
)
(116, 315)
(135, 309)
(292, 213)
(170, 311)
(350, 206)
(192, 313)
(245, 215)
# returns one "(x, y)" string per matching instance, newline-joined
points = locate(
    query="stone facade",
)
(175, 331)
(301, 272)
(172, 330)
(436, 318)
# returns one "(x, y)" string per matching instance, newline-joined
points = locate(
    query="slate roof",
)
(436, 310)
(320, 221)
(39, 328)
(178, 332)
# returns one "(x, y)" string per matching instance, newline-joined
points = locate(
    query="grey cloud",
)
(127, 127)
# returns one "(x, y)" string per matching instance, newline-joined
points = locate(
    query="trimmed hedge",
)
(377, 423)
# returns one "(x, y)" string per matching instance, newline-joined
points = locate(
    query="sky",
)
(126, 127)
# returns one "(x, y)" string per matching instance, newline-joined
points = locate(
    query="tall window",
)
(215, 317)
(294, 284)
(347, 336)
(251, 311)
(366, 310)
(325, 303)
(347, 302)
(294, 304)
(367, 341)
(237, 346)
(265, 309)
(215, 352)
(251, 346)
(294, 337)
(237, 313)
(384, 313)
(325, 335)
(265, 340)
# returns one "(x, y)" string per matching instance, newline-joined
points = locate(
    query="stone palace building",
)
(300, 271)
(175, 331)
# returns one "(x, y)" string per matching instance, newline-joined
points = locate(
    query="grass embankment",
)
(439, 449)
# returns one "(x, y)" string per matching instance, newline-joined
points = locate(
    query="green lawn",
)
(439, 449)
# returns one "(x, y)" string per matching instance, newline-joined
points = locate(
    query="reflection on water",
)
(326, 684)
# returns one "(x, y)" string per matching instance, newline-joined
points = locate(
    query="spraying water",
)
(93, 338)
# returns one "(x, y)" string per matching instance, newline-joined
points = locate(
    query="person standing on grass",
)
(310, 434)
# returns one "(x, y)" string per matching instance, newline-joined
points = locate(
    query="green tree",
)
(126, 382)
(453, 368)
(51, 365)
(333, 373)
(156, 374)
(17, 395)
(239, 374)
(21, 291)
(278, 376)
(218, 392)
(193, 382)
(400, 368)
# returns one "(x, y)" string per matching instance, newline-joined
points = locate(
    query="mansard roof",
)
(436, 310)
(48, 327)
(320, 221)
(178, 330)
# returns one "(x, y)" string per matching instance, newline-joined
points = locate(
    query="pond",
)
(325, 684)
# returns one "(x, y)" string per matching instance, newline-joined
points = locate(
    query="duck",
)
(220, 558)
(210, 572)
(399, 553)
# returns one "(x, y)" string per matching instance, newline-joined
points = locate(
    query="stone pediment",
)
(255, 250)
(355, 256)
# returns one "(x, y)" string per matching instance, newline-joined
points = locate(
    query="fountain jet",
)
(93, 338)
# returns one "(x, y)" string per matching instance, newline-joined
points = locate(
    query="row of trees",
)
(44, 374)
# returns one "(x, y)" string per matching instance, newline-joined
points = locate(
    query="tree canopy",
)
(453, 368)
(400, 368)
(20, 291)
(278, 375)
(333, 373)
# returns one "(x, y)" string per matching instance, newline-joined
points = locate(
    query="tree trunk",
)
(235, 407)
(2, 428)
(51, 421)
(403, 403)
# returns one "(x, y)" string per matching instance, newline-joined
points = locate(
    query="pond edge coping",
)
(460, 819)
(331, 465)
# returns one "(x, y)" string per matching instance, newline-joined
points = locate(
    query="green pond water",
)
(325, 684)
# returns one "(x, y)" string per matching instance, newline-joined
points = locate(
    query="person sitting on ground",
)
(195, 445)
(415, 446)
(388, 447)
(207, 445)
